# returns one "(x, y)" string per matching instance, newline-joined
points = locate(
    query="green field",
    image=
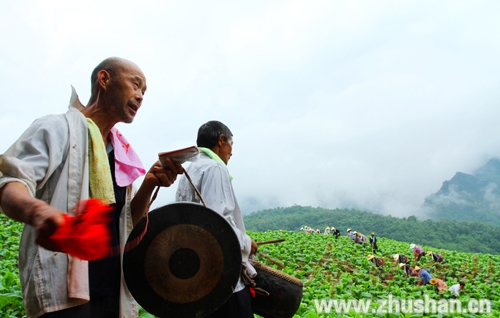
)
(330, 270)
(339, 269)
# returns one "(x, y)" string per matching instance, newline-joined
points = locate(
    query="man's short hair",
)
(112, 65)
(208, 134)
(462, 284)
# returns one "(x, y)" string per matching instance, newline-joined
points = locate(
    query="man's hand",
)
(19, 205)
(160, 176)
(156, 176)
(46, 220)
(253, 249)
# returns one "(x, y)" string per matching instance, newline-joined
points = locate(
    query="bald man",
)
(47, 171)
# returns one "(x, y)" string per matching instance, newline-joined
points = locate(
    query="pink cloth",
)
(418, 250)
(128, 166)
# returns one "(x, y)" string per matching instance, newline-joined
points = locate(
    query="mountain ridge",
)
(468, 197)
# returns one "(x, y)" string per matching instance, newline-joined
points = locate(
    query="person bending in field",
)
(418, 252)
(378, 261)
(400, 258)
(456, 289)
(363, 238)
(350, 234)
(439, 283)
(327, 231)
(409, 271)
(335, 232)
(357, 238)
(424, 276)
(435, 256)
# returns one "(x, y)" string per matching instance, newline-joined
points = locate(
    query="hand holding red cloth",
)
(87, 235)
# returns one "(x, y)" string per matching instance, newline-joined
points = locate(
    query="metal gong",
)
(186, 265)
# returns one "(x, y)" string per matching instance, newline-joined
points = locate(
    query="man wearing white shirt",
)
(455, 289)
(49, 169)
(211, 177)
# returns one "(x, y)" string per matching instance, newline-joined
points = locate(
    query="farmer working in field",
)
(439, 283)
(373, 243)
(363, 238)
(357, 238)
(400, 258)
(435, 256)
(456, 289)
(409, 271)
(418, 252)
(424, 275)
(335, 232)
(378, 261)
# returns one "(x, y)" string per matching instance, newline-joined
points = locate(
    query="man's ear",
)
(221, 140)
(103, 78)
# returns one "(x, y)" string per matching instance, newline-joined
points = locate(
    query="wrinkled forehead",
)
(133, 69)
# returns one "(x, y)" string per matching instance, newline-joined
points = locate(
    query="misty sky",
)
(362, 104)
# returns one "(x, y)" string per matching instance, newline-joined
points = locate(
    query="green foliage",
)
(338, 269)
(329, 269)
(11, 302)
(451, 235)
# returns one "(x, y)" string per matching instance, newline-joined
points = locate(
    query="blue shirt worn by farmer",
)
(424, 276)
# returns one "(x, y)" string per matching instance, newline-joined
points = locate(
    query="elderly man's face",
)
(226, 150)
(125, 93)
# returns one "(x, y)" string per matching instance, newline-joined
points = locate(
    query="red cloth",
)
(87, 235)
(252, 291)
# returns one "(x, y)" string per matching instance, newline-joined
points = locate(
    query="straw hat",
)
(417, 268)
(370, 257)
(333, 228)
(355, 232)
(412, 246)
(429, 253)
(433, 281)
(348, 230)
(401, 265)
(373, 233)
(395, 257)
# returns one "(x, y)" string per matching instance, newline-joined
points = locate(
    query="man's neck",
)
(101, 119)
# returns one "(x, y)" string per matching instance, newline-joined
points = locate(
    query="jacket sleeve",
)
(34, 157)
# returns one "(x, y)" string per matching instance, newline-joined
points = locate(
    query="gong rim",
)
(164, 241)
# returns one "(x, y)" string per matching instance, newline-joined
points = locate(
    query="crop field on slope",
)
(11, 302)
(339, 269)
(329, 269)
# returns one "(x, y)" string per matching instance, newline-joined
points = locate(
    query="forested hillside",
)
(451, 235)
(469, 197)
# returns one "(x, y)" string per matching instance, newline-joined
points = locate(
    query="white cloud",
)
(338, 104)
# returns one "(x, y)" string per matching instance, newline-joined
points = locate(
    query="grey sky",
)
(364, 104)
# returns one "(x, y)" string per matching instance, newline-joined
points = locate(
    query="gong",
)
(187, 263)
